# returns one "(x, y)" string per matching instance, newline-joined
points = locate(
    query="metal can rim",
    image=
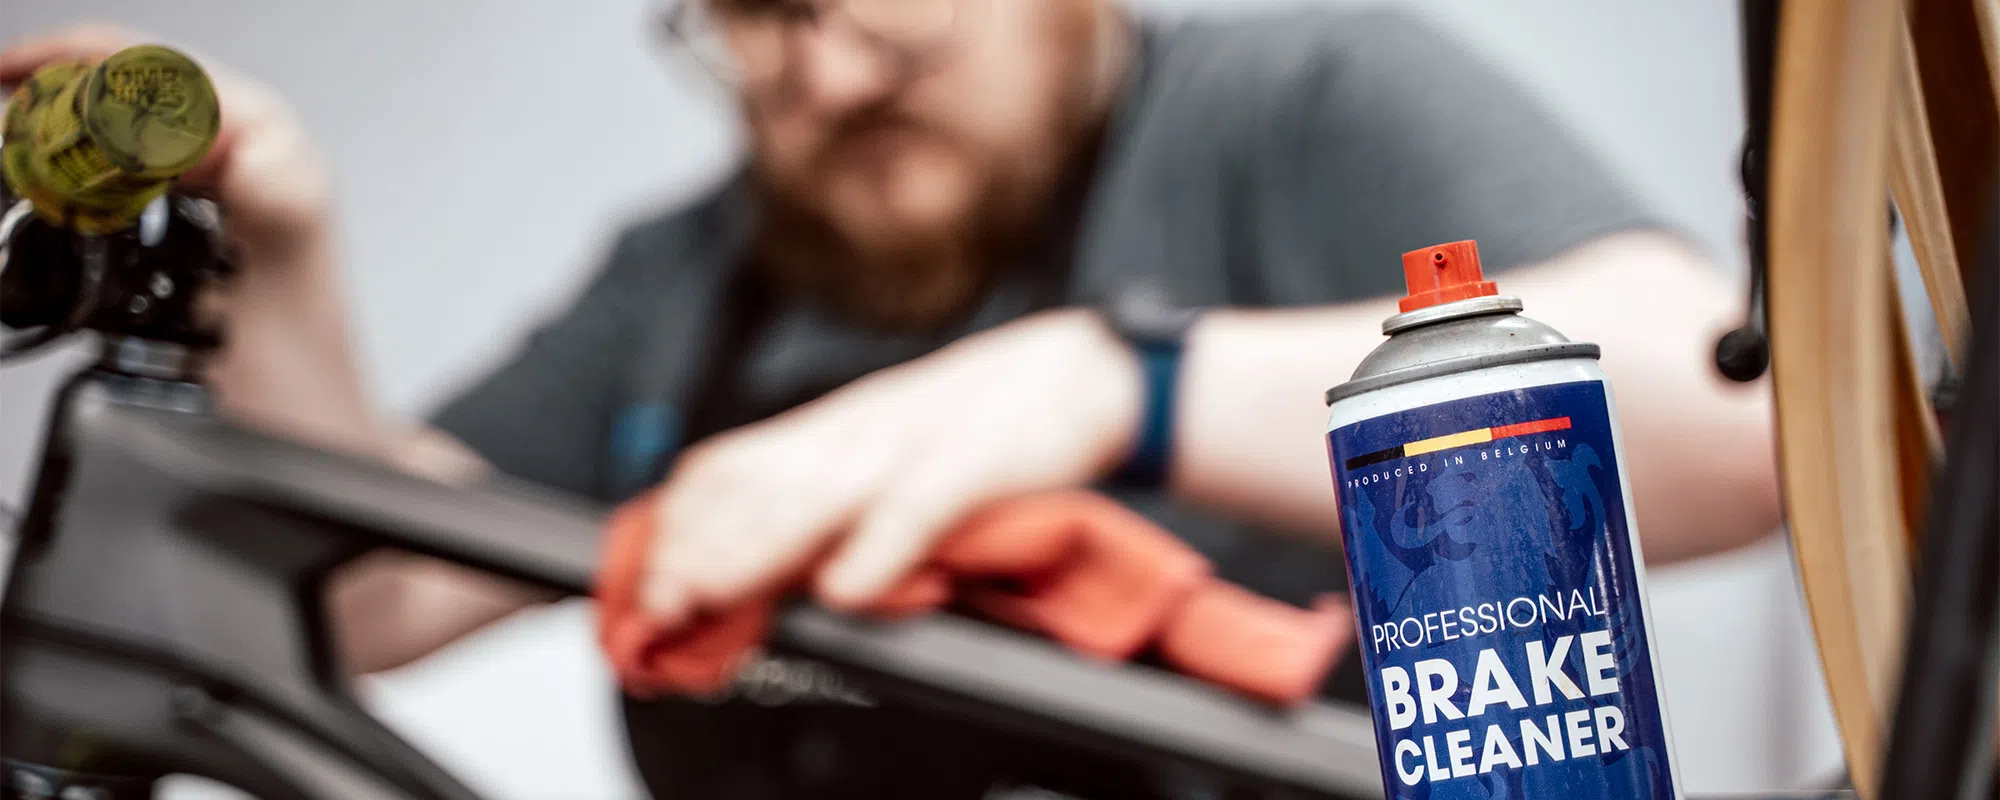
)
(1540, 352)
(1431, 315)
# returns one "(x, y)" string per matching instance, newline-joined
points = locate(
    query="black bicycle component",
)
(168, 615)
(20, 781)
(142, 283)
(1941, 745)
(1744, 354)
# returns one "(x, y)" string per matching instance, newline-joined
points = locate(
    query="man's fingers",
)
(707, 536)
(205, 177)
(893, 538)
(663, 594)
(93, 43)
(730, 545)
(747, 510)
(85, 43)
(719, 538)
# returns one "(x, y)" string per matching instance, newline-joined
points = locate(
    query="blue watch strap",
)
(1146, 467)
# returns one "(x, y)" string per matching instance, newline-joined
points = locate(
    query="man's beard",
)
(893, 274)
(906, 276)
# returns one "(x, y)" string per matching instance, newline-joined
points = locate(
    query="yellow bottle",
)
(89, 147)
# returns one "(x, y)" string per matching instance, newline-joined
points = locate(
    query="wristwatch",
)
(1146, 318)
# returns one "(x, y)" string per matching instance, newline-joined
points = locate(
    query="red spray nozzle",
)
(1444, 273)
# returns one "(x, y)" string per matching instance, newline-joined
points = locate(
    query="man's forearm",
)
(287, 364)
(288, 367)
(1699, 450)
(389, 608)
(1250, 415)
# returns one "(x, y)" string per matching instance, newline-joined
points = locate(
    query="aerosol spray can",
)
(1494, 561)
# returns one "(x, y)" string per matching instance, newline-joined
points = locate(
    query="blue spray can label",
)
(1497, 580)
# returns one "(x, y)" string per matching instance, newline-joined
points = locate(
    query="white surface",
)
(519, 710)
(531, 725)
(485, 150)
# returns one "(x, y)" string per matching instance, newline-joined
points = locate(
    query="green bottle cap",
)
(151, 110)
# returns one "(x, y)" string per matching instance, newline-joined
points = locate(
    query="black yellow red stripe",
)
(1460, 439)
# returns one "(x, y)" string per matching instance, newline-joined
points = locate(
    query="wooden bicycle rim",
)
(1832, 352)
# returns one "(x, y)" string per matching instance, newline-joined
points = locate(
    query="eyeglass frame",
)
(680, 25)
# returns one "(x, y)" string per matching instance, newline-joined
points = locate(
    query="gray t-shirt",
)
(1279, 160)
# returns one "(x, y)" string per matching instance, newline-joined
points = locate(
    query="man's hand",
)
(286, 365)
(876, 471)
(263, 170)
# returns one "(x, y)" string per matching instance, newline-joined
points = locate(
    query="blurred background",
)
(486, 153)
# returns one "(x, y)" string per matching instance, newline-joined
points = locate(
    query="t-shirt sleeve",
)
(1396, 138)
(544, 413)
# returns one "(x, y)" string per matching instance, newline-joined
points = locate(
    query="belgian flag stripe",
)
(1462, 439)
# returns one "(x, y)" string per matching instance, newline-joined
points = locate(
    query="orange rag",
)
(1074, 566)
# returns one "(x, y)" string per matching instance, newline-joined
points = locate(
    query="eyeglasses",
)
(747, 45)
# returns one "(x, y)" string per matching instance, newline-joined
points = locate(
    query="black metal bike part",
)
(1941, 742)
(1744, 354)
(174, 596)
(143, 283)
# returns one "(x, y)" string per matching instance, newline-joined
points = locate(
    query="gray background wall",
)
(453, 240)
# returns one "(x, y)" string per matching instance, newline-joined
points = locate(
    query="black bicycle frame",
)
(163, 616)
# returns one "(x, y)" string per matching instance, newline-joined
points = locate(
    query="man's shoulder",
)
(704, 230)
(1273, 56)
(714, 216)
